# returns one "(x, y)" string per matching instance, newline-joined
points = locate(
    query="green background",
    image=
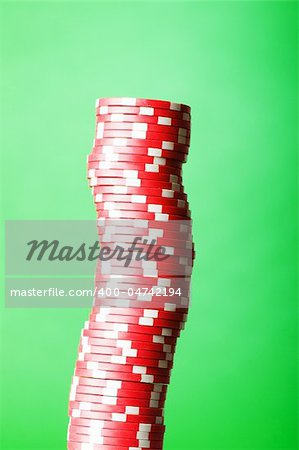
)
(234, 384)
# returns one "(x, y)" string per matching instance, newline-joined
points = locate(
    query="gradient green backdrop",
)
(234, 384)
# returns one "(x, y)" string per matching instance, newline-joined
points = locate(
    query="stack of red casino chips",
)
(127, 346)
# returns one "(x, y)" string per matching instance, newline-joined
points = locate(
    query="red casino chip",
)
(115, 417)
(122, 233)
(102, 134)
(138, 296)
(143, 312)
(84, 446)
(141, 199)
(101, 160)
(132, 101)
(130, 385)
(112, 334)
(148, 282)
(119, 393)
(131, 284)
(147, 265)
(127, 409)
(128, 328)
(153, 208)
(142, 127)
(128, 434)
(163, 307)
(95, 353)
(143, 111)
(148, 271)
(119, 214)
(120, 169)
(154, 248)
(127, 142)
(106, 443)
(138, 303)
(118, 427)
(135, 320)
(124, 210)
(125, 348)
(144, 259)
(136, 182)
(153, 228)
(96, 168)
(183, 226)
(151, 238)
(163, 295)
(116, 401)
(109, 151)
(122, 376)
(123, 368)
(152, 120)
(145, 192)
(135, 174)
(124, 360)
(172, 265)
(165, 232)
(142, 302)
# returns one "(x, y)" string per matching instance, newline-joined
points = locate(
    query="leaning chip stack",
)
(127, 346)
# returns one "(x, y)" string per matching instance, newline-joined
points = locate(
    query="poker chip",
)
(132, 101)
(127, 346)
(179, 285)
(134, 175)
(100, 431)
(91, 446)
(102, 160)
(113, 426)
(151, 208)
(153, 120)
(172, 175)
(135, 320)
(108, 152)
(115, 417)
(128, 328)
(163, 143)
(118, 393)
(118, 232)
(116, 401)
(163, 194)
(135, 312)
(123, 214)
(167, 270)
(102, 443)
(136, 182)
(142, 127)
(122, 376)
(86, 356)
(122, 368)
(96, 168)
(115, 334)
(150, 136)
(104, 408)
(130, 385)
(142, 199)
(143, 111)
